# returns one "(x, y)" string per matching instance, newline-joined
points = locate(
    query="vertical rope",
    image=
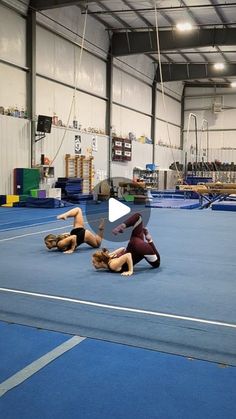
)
(73, 102)
(162, 86)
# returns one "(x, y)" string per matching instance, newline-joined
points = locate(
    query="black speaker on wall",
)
(44, 123)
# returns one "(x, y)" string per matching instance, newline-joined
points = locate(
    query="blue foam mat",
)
(224, 206)
(196, 279)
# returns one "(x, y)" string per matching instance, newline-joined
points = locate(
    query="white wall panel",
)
(92, 75)
(13, 87)
(15, 149)
(131, 92)
(167, 135)
(45, 52)
(141, 155)
(96, 37)
(51, 144)
(64, 60)
(53, 98)
(164, 157)
(174, 88)
(125, 121)
(55, 56)
(170, 112)
(222, 125)
(59, 59)
(12, 37)
(17, 5)
(139, 65)
(91, 111)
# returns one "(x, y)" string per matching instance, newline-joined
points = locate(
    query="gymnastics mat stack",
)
(8, 200)
(25, 180)
(38, 193)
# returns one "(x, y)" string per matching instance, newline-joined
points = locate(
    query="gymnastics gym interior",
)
(107, 109)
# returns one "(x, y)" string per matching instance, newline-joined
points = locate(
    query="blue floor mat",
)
(196, 279)
(99, 380)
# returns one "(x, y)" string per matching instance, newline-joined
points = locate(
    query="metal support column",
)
(153, 120)
(109, 110)
(182, 119)
(31, 77)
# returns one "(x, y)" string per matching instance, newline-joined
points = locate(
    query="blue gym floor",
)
(149, 337)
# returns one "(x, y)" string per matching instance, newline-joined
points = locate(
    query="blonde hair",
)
(102, 256)
(53, 238)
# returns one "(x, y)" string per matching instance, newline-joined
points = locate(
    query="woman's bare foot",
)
(101, 224)
(62, 217)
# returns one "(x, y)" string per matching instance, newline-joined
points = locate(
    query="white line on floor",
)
(40, 232)
(37, 365)
(36, 232)
(119, 308)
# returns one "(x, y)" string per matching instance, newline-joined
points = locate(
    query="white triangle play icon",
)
(116, 210)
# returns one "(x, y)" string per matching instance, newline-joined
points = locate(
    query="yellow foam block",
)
(12, 198)
(7, 205)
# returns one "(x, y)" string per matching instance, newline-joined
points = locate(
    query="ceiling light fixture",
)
(233, 84)
(219, 66)
(184, 26)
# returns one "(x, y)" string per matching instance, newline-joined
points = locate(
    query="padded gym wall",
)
(222, 125)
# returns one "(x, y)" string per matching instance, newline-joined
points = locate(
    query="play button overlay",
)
(115, 200)
(116, 210)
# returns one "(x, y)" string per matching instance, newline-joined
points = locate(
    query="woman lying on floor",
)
(68, 242)
(122, 260)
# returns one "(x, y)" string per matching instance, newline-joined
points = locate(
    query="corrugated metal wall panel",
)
(71, 18)
(13, 87)
(15, 149)
(18, 5)
(89, 110)
(139, 65)
(13, 37)
(141, 155)
(131, 92)
(171, 111)
(50, 145)
(162, 137)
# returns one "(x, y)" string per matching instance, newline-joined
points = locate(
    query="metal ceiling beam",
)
(145, 41)
(51, 4)
(168, 8)
(180, 72)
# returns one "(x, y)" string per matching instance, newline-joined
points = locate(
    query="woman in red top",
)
(140, 247)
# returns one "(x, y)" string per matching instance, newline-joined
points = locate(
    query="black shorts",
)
(79, 232)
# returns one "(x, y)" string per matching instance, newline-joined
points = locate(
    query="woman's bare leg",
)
(76, 213)
(95, 240)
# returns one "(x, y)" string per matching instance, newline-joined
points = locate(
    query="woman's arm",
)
(116, 252)
(68, 243)
(117, 263)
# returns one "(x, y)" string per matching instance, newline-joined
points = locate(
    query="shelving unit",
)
(149, 177)
(80, 167)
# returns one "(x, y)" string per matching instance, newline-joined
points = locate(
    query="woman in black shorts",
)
(140, 247)
(68, 242)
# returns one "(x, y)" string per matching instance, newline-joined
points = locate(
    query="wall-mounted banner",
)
(78, 149)
(94, 144)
